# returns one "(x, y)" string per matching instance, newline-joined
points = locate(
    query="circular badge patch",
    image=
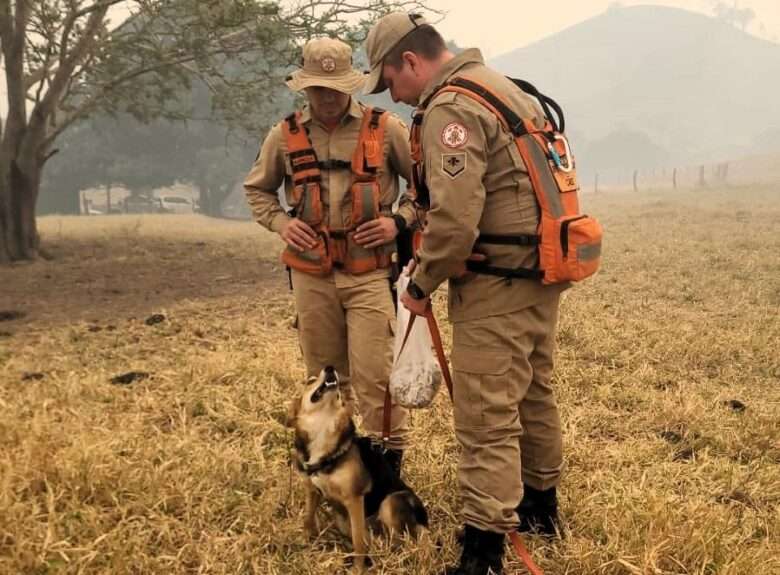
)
(328, 64)
(454, 135)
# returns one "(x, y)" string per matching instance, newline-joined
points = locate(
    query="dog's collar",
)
(327, 463)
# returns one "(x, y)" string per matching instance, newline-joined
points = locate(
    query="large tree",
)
(63, 61)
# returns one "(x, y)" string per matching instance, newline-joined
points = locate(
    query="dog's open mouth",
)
(329, 383)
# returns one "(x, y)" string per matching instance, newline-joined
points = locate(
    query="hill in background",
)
(651, 86)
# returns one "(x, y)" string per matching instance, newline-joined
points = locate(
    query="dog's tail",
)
(403, 512)
(417, 507)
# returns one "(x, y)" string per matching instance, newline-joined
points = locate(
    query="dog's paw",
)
(358, 563)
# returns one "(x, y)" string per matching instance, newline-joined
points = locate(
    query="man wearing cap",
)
(471, 177)
(339, 162)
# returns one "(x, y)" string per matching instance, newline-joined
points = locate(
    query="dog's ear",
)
(292, 412)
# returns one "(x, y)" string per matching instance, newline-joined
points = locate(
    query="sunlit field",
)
(668, 376)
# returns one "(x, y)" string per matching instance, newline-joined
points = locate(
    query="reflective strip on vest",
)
(365, 202)
(588, 252)
(545, 177)
(308, 210)
(308, 255)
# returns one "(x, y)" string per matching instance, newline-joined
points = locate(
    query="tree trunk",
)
(203, 197)
(210, 200)
(22, 157)
(18, 195)
(219, 196)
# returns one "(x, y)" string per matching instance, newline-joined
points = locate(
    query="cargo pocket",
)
(481, 397)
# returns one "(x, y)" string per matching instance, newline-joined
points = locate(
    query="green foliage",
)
(181, 90)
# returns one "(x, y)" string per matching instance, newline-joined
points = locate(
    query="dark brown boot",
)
(538, 512)
(483, 553)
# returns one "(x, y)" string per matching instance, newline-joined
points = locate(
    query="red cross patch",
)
(454, 135)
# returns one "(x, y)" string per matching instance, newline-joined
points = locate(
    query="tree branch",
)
(85, 43)
(72, 18)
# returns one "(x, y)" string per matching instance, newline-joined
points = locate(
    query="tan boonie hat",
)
(382, 38)
(327, 63)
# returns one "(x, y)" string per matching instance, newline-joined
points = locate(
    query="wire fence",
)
(756, 170)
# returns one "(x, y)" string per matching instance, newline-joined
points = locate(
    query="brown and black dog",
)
(347, 470)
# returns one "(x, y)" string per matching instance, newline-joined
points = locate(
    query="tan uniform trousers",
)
(506, 418)
(348, 322)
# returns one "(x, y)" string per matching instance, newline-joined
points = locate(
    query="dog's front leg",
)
(357, 521)
(313, 498)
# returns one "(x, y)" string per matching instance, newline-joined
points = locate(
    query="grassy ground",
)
(668, 376)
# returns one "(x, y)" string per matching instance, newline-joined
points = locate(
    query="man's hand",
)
(416, 306)
(376, 233)
(299, 235)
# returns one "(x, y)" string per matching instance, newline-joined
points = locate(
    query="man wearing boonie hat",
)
(339, 162)
(470, 175)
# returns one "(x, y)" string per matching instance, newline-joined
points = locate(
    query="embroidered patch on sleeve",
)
(453, 164)
(454, 135)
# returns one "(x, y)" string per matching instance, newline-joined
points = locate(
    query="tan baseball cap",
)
(382, 38)
(327, 62)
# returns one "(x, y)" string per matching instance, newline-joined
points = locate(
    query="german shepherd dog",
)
(347, 470)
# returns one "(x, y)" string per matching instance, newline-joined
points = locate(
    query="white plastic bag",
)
(416, 375)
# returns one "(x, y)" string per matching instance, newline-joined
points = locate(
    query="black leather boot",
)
(483, 553)
(538, 511)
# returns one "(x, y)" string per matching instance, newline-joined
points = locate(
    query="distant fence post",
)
(723, 172)
(636, 173)
(84, 203)
(702, 181)
(674, 178)
(108, 198)
(596, 184)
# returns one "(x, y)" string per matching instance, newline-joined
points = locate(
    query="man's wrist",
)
(400, 222)
(414, 290)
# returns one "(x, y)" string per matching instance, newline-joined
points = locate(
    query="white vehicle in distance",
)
(176, 205)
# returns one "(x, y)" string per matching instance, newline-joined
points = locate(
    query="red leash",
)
(523, 554)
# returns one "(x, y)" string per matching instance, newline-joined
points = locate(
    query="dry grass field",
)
(668, 376)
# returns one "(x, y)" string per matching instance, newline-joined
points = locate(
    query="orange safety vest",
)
(336, 248)
(569, 243)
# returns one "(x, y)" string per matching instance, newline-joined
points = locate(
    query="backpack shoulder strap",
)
(514, 123)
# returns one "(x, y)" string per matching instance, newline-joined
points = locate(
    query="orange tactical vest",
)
(569, 243)
(337, 248)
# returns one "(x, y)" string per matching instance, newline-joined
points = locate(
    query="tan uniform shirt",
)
(272, 168)
(478, 184)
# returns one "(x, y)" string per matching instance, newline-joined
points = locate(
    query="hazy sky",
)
(498, 26)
